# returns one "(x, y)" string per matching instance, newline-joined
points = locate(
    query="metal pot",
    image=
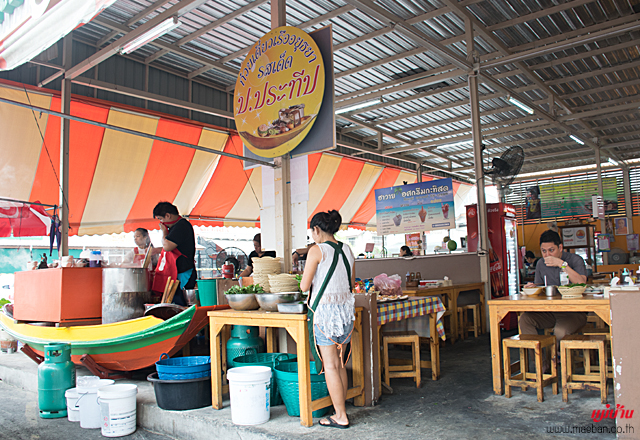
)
(191, 297)
(124, 293)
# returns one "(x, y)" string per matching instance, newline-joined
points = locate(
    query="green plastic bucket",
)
(207, 292)
(288, 386)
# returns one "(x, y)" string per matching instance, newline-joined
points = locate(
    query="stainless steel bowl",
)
(242, 301)
(269, 301)
(551, 291)
(191, 297)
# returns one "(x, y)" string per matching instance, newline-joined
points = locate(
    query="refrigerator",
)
(503, 251)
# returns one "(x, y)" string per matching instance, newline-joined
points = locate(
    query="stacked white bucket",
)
(250, 394)
(98, 403)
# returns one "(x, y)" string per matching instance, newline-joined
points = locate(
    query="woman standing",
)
(143, 241)
(330, 273)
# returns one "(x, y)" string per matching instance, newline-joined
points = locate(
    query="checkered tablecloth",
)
(411, 308)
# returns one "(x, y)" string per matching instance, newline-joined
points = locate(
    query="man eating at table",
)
(554, 260)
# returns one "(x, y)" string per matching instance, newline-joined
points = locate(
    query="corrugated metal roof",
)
(420, 96)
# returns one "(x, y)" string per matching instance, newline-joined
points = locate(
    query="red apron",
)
(166, 268)
(137, 256)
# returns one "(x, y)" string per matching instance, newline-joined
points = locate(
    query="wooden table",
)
(499, 307)
(433, 308)
(452, 293)
(296, 326)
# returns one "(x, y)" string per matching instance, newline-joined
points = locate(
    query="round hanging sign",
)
(279, 91)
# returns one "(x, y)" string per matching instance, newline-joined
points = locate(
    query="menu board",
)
(575, 198)
(423, 206)
(572, 237)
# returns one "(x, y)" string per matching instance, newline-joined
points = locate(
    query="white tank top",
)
(337, 306)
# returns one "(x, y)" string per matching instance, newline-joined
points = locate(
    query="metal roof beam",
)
(173, 48)
(127, 91)
(539, 14)
(582, 31)
(560, 46)
(178, 9)
(593, 91)
(608, 103)
(386, 104)
(600, 111)
(584, 55)
(593, 73)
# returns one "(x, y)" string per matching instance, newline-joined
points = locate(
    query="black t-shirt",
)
(254, 254)
(181, 233)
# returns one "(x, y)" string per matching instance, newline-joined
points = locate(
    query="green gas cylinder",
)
(244, 340)
(55, 376)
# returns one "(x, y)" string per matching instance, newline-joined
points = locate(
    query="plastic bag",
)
(388, 285)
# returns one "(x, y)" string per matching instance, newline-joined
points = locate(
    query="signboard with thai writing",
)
(423, 206)
(575, 198)
(279, 91)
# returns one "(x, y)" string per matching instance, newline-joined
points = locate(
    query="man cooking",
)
(554, 260)
(179, 249)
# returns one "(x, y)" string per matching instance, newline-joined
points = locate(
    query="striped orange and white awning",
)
(115, 178)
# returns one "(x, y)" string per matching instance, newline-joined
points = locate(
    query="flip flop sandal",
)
(333, 424)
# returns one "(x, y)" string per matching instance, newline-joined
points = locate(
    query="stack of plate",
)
(262, 268)
(283, 282)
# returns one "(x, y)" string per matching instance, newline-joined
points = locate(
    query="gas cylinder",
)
(55, 376)
(228, 270)
(244, 340)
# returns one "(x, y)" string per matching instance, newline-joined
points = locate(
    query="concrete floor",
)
(461, 405)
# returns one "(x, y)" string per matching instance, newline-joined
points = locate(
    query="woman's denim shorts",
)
(322, 340)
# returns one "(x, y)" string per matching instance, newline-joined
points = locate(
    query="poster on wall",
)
(632, 242)
(575, 198)
(423, 206)
(572, 237)
(279, 91)
(621, 226)
(604, 243)
(414, 241)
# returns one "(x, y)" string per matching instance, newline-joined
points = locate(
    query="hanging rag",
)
(54, 233)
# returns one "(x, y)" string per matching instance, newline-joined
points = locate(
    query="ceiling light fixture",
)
(166, 26)
(520, 105)
(357, 106)
(576, 139)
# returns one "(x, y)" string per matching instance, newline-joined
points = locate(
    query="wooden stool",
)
(464, 326)
(400, 368)
(589, 380)
(600, 332)
(526, 379)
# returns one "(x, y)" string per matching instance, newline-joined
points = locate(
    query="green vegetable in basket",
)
(575, 285)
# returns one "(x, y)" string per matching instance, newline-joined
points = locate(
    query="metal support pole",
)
(626, 181)
(419, 173)
(65, 124)
(476, 130)
(603, 222)
(283, 171)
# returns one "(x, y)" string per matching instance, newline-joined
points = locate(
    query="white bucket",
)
(90, 416)
(73, 412)
(118, 408)
(249, 390)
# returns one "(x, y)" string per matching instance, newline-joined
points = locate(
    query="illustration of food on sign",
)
(397, 219)
(279, 91)
(423, 214)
